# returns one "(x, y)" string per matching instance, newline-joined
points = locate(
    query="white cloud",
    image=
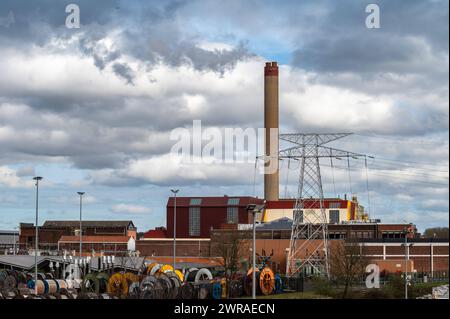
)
(9, 178)
(129, 209)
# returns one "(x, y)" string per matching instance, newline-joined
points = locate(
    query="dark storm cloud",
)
(412, 38)
(147, 32)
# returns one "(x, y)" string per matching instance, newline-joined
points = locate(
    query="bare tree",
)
(231, 246)
(347, 263)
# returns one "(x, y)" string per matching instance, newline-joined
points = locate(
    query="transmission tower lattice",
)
(309, 238)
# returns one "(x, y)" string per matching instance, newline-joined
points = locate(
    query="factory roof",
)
(26, 261)
(95, 239)
(223, 201)
(7, 237)
(88, 223)
(278, 224)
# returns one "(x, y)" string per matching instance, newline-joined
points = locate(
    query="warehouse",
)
(51, 231)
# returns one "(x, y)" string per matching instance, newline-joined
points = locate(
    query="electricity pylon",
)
(309, 237)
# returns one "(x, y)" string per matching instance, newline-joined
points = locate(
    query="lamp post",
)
(37, 179)
(253, 209)
(406, 232)
(15, 248)
(174, 191)
(81, 231)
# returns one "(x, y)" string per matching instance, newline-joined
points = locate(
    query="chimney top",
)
(271, 69)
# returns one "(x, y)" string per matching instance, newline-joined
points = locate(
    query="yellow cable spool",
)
(149, 268)
(130, 277)
(179, 274)
(118, 285)
(267, 281)
(223, 283)
(165, 268)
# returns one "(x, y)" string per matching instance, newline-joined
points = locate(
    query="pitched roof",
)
(88, 223)
(94, 239)
(283, 223)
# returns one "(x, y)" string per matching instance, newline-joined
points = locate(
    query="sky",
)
(92, 108)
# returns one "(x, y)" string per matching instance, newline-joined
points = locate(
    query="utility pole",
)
(37, 179)
(81, 229)
(310, 223)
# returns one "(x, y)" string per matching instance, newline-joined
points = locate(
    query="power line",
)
(391, 175)
(404, 139)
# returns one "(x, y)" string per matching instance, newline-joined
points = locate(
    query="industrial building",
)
(196, 216)
(8, 241)
(51, 232)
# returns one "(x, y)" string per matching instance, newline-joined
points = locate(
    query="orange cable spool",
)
(266, 281)
(118, 285)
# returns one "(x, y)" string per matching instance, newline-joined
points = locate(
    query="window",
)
(334, 216)
(232, 215)
(233, 201)
(195, 202)
(194, 221)
(335, 205)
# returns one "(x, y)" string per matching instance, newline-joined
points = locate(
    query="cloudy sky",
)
(92, 108)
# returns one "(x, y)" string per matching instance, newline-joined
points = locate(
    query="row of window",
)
(198, 201)
(194, 214)
(393, 234)
(194, 219)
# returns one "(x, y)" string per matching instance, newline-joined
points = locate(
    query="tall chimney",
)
(271, 179)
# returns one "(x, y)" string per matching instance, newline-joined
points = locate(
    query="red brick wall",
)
(210, 217)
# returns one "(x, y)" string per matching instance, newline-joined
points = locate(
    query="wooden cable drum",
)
(150, 267)
(133, 285)
(150, 288)
(176, 283)
(130, 277)
(179, 274)
(236, 288)
(204, 291)
(223, 283)
(52, 286)
(190, 276)
(90, 284)
(41, 286)
(187, 291)
(165, 268)
(199, 275)
(118, 285)
(9, 283)
(103, 282)
(166, 284)
(266, 281)
(187, 272)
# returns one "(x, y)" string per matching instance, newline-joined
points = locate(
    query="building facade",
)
(337, 210)
(51, 231)
(197, 216)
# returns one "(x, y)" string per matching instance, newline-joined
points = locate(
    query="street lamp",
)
(15, 248)
(253, 209)
(37, 179)
(174, 191)
(81, 232)
(406, 231)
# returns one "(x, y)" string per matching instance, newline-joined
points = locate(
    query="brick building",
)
(51, 231)
(196, 216)
(98, 244)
